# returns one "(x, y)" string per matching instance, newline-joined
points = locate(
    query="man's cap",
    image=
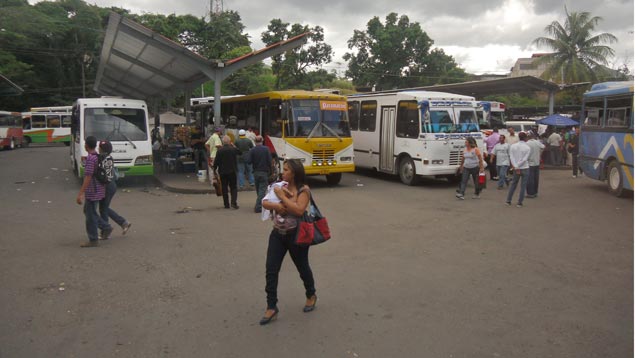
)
(242, 132)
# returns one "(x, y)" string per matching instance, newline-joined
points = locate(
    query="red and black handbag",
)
(313, 228)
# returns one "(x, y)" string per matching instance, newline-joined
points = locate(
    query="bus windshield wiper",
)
(332, 131)
(126, 138)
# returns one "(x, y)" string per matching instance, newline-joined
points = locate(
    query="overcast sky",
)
(484, 36)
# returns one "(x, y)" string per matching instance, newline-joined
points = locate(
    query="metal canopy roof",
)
(139, 63)
(8, 88)
(480, 89)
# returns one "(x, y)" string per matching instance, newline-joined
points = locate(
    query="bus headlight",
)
(143, 160)
(345, 159)
(438, 161)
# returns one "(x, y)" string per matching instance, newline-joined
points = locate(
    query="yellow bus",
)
(310, 126)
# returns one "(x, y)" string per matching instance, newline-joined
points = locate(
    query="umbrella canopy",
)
(558, 121)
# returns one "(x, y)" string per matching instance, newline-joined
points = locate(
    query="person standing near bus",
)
(244, 144)
(490, 142)
(471, 165)
(534, 165)
(227, 164)
(213, 144)
(500, 153)
(260, 159)
(555, 148)
(93, 192)
(519, 158)
(105, 148)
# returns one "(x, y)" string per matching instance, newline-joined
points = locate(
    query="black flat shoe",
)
(266, 320)
(310, 307)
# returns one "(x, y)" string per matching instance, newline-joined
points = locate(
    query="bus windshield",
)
(116, 124)
(310, 119)
(440, 121)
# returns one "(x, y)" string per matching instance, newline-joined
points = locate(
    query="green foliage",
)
(43, 47)
(577, 51)
(397, 54)
(292, 67)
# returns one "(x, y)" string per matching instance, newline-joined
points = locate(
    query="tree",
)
(577, 52)
(397, 54)
(292, 67)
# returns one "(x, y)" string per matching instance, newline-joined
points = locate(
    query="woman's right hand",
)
(281, 209)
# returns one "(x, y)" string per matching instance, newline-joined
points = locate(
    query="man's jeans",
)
(522, 177)
(93, 221)
(532, 181)
(244, 167)
(261, 180)
(104, 206)
(555, 155)
(502, 174)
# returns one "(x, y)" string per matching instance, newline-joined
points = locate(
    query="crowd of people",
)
(514, 161)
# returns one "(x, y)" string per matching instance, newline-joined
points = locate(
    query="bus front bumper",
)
(324, 170)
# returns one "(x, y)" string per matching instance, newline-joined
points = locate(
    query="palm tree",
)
(577, 53)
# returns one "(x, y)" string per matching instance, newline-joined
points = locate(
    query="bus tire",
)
(614, 179)
(453, 178)
(333, 179)
(407, 171)
(25, 142)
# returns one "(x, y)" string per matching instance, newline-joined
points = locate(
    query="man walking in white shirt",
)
(534, 165)
(519, 158)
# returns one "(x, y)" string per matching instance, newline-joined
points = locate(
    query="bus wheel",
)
(333, 179)
(453, 178)
(614, 179)
(407, 172)
(25, 142)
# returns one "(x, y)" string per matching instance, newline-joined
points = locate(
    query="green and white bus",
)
(123, 122)
(47, 125)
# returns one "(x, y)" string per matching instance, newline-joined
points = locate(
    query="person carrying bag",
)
(293, 202)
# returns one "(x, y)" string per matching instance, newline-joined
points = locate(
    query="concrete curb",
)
(181, 190)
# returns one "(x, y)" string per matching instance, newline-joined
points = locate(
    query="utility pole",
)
(216, 6)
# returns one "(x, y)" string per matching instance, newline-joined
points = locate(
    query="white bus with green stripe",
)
(123, 122)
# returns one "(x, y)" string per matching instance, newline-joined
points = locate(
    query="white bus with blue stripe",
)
(412, 133)
(606, 135)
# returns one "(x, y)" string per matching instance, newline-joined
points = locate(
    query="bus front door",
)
(387, 140)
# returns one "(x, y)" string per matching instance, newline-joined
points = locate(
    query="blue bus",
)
(606, 135)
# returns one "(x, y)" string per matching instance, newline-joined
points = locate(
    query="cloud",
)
(482, 35)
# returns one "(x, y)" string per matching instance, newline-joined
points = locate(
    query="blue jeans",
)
(532, 181)
(502, 174)
(93, 221)
(261, 179)
(466, 176)
(522, 177)
(244, 167)
(104, 206)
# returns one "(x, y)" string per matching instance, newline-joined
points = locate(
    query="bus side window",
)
(368, 116)
(26, 123)
(353, 115)
(38, 121)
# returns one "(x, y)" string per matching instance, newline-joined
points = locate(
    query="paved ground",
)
(411, 271)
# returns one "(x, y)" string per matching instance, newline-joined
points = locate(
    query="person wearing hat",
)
(213, 144)
(244, 144)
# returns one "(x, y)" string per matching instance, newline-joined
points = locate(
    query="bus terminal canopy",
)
(138, 63)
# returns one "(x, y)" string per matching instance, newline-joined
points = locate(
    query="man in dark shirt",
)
(226, 163)
(260, 159)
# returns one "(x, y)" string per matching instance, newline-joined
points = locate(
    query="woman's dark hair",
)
(105, 147)
(298, 172)
(472, 142)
